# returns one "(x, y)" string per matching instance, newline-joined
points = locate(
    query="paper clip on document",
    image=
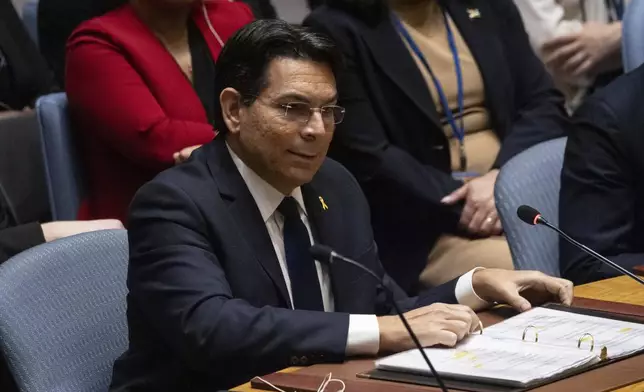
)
(585, 337)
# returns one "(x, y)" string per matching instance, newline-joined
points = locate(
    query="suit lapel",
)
(325, 217)
(245, 213)
(473, 19)
(392, 56)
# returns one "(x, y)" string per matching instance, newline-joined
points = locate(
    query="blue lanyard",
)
(457, 129)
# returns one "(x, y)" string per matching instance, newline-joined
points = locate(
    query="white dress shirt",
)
(364, 333)
(547, 19)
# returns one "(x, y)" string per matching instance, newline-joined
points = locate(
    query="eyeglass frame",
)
(285, 107)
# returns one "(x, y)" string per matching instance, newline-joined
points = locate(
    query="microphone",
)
(325, 254)
(533, 217)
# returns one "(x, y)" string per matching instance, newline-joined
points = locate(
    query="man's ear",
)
(230, 102)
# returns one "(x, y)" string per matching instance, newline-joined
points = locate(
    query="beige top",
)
(427, 28)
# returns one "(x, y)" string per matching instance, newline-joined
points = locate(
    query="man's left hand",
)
(521, 289)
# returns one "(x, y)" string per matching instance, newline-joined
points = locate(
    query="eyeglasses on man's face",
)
(301, 112)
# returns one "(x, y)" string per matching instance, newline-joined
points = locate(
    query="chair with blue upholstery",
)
(532, 178)
(62, 169)
(62, 312)
(30, 19)
(633, 35)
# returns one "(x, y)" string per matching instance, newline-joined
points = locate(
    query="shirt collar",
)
(266, 196)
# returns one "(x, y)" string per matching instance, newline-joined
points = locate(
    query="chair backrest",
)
(30, 19)
(633, 35)
(22, 174)
(62, 312)
(532, 178)
(62, 170)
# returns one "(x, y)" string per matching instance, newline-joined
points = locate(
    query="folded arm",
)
(540, 111)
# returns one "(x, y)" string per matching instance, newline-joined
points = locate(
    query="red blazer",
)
(131, 104)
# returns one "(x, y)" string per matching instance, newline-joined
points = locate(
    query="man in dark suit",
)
(602, 189)
(222, 286)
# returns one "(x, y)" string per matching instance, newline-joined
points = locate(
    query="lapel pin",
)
(324, 206)
(473, 13)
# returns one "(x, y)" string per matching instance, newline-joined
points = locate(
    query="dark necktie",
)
(305, 285)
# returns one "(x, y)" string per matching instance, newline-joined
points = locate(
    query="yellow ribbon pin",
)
(324, 206)
(473, 13)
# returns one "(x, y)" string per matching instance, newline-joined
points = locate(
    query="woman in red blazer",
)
(140, 84)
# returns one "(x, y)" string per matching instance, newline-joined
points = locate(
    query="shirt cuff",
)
(364, 335)
(465, 294)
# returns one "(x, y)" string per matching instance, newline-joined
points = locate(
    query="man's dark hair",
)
(245, 58)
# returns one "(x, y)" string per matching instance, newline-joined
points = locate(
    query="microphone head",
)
(529, 215)
(321, 253)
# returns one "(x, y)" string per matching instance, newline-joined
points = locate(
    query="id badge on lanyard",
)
(458, 129)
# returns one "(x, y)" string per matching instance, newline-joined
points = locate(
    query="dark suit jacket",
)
(208, 306)
(15, 238)
(30, 76)
(602, 187)
(392, 139)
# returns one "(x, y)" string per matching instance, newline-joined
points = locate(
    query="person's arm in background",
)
(597, 198)
(362, 145)
(544, 20)
(17, 238)
(574, 50)
(540, 111)
(125, 113)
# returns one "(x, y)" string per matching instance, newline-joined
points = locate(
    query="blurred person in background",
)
(579, 41)
(601, 202)
(24, 75)
(139, 82)
(439, 95)
(57, 19)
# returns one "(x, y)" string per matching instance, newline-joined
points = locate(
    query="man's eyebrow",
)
(296, 97)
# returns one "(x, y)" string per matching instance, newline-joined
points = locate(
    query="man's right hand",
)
(434, 324)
